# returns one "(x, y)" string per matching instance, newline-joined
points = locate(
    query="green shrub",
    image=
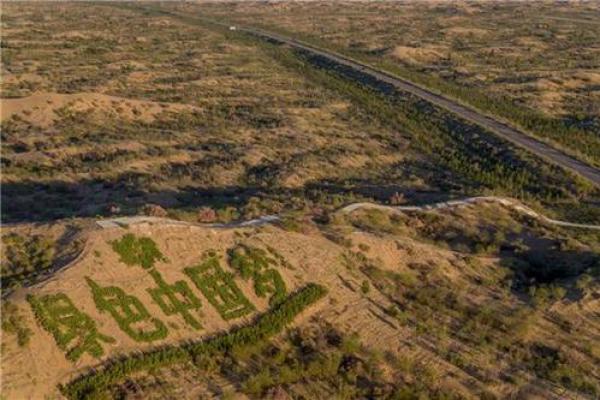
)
(137, 251)
(255, 263)
(265, 326)
(129, 313)
(176, 298)
(58, 315)
(219, 288)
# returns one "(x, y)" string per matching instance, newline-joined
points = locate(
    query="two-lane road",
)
(495, 126)
(501, 129)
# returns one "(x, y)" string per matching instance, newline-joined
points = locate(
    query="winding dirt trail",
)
(268, 219)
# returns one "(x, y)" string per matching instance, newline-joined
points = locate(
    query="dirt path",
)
(267, 219)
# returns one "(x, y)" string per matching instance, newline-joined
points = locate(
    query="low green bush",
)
(137, 251)
(255, 263)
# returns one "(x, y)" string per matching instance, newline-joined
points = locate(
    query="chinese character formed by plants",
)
(255, 263)
(129, 313)
(177, 298)
(74, 331)
(137, 251)
(219, 288)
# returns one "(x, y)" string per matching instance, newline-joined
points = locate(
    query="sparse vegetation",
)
(13, 323)
(115, 109)
(25, 257)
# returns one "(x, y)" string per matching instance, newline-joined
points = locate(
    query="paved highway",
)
(501, 129)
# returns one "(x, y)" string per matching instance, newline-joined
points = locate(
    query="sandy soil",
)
(312, 258)
(41, 108)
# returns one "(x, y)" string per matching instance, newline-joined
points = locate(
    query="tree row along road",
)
(268, 219)
(501, 129)
(495, 126)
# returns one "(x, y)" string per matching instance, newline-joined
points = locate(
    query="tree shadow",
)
(30, 201)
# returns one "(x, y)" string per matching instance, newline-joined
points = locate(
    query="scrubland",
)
(112, 109)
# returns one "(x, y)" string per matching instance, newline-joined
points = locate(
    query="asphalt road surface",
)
(507, 132)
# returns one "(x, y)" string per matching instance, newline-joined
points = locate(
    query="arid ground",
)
(115, 110)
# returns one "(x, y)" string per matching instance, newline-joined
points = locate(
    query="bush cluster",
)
(254, 263)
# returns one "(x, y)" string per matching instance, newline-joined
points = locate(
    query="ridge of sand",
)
(41, 107)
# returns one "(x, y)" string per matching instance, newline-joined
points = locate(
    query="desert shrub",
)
(25, 256)
(365, 287)
(552, 364)
(206, 215)
(154, 210)
(13, 323)
(265, 326)
(137, 251)
(544, 295)
(219, 288)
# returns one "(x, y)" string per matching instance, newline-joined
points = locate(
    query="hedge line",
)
(272, 322)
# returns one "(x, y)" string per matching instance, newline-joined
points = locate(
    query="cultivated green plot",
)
(129, 313)
(219, 288)
(255, 263)
(176, 298)
(74, 331)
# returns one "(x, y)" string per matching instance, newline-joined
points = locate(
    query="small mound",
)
(42, 109)
(416, 55)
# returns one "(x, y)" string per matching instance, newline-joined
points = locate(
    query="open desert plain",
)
(300, 200)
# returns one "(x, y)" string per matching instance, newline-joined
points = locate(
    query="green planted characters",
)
(219, 288)
(93, 385)
(255, 263)
(137, 251)
(175, 298)
(74, 331)
(129, 313)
